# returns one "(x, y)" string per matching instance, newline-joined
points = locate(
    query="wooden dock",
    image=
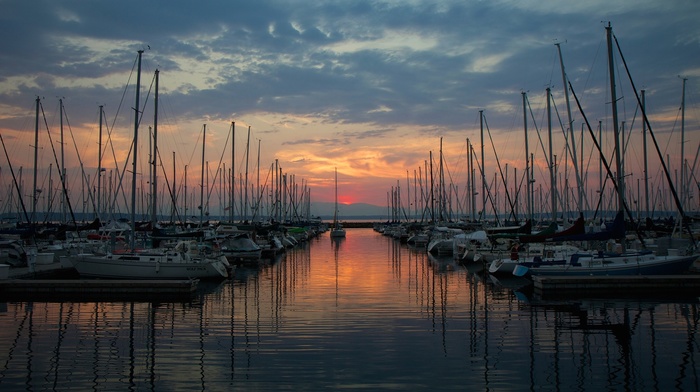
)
(82, 290)
(612, 286)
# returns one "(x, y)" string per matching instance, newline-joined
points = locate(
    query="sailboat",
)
(337, 230)
(184, 261)
(628, 262)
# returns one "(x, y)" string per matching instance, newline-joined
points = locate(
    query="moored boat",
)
(178, 263)
(602, 264)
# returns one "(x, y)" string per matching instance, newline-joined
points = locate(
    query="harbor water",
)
(360, 313)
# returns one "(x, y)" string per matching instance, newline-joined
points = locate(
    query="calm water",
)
(362, 313)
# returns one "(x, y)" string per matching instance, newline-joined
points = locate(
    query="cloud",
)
(330, 81)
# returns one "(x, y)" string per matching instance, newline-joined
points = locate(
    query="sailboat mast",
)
(174, 192)
(572, 138)
(616, 129)
(201, 189)
(441, 187)
(99, 166)
(470, 191)
(552, 176)
(36, 159)
(257, 196)
(528, 185)
(483, 167)
(646, 164)
(335, 209)
(432, 190)
(63, 167)
(133, 167)
(154, 180)
(683, 175)
(247, 156)
(232, 179)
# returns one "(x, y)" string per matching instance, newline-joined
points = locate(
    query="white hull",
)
(625, 264)
(503, 266)
(148, 266)
(441, 247)
(241, 247)
(507, 265)
(337, 233)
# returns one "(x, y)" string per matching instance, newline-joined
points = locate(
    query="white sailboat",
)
(183, 262)
(627, 262)
(337, 230)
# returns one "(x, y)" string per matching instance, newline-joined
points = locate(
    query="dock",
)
(616, 286)
(82, 290)
(55, 283)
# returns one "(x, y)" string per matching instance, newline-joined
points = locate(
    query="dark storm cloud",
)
(283, 56)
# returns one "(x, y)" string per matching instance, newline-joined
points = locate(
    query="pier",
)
(96, 289)
(616, 286)
(53, 282)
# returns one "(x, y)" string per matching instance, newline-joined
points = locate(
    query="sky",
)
(369, 88)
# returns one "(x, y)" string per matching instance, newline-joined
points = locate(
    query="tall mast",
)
(572, 138)
(683, 175)
(245, 189)
(36, 160)
(154, 180)
(441, 187)
(136, 143)
(483, 166)
(63, 167)
(201, 189)
(552, 176)
(275, 192)
(470, 191)
(257, 196)
(232, 205)
(99, 167)
(528, 185)
(646, 165)
(616, 129)
(600, 165)
(432, 190)
(335, 210)
(174, 192)
(408, 193)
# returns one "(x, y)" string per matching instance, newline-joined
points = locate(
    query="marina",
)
(160, 249)
(365, 310)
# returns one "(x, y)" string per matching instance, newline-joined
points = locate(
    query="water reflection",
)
(364, 311)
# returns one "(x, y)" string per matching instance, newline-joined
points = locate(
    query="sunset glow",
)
(369, 95)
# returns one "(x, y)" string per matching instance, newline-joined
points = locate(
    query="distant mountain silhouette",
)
(348, 211)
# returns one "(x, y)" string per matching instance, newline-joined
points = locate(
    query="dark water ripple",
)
(363, 313)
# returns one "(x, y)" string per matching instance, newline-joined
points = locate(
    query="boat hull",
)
(622, 265)
(337, 233)
(146, 267)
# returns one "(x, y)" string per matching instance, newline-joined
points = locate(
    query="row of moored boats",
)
(174, 252)
(579, 249)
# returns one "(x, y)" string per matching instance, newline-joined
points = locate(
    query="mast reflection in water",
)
(359, 312)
